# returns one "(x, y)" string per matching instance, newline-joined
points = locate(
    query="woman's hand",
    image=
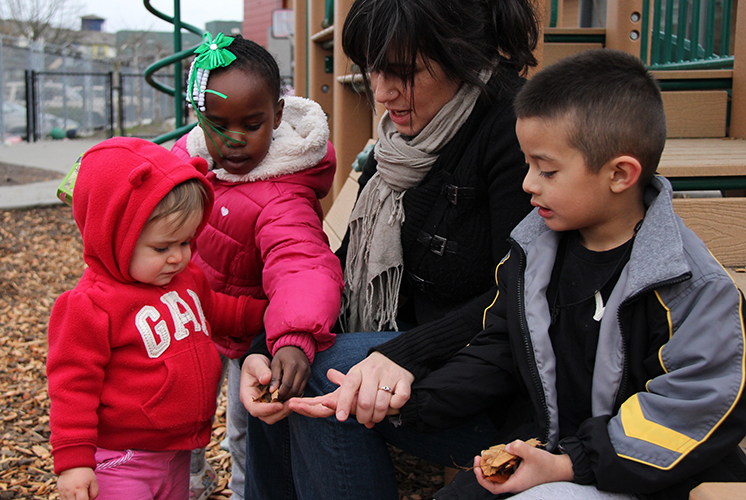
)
(321, 406)
(362, 390)
(78, 484)
(537, 467)
(256, 372)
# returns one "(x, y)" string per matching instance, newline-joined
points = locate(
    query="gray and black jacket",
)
(670, 367)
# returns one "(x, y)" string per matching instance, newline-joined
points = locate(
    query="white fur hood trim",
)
(300, 142)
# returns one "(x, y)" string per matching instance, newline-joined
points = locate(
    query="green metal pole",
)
(178, 104)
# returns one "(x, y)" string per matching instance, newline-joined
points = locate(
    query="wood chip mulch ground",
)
(41, 257)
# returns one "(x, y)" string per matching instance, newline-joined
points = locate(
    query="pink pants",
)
(142, 475)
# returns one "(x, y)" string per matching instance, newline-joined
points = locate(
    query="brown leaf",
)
(265, 397)
(497, 464)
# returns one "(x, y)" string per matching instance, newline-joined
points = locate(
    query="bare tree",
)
(54, 21)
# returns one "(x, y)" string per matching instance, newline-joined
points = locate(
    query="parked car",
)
(14, 121)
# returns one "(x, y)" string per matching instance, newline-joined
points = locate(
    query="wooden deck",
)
(703, 158)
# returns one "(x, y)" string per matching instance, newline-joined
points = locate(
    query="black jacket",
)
(458, 221)
(668, 411)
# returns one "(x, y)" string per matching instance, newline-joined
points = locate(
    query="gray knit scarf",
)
(374, 267)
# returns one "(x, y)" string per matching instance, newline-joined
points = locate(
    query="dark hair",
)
(612, 103)
(252, 57)
(463, 36)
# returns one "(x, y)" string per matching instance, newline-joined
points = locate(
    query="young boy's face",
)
(163, 250)
(568, 195)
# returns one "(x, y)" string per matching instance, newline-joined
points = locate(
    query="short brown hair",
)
(185, 199)
(612, 103)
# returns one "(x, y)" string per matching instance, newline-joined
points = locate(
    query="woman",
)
(442, 192)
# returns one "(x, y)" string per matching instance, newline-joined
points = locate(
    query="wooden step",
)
(696, 113)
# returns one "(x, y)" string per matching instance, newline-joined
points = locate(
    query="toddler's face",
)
(249, 114)
(163, 250)
(568, 195)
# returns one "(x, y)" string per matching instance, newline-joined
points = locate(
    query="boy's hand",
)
(290, 372)
(255, 373)
(537, 467)
(78, 484)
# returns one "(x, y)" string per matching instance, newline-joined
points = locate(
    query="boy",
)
(615, 338)
(133, 371)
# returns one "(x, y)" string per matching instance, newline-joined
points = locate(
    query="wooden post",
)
(300, 42)
(352, 115)
(320, 83)
(624, 25)
(738, 103)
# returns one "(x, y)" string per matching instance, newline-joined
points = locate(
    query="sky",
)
(132, 15)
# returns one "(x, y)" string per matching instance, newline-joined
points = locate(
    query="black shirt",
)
(581, 283)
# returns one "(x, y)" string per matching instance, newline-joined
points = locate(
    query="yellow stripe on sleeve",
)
(637, 426)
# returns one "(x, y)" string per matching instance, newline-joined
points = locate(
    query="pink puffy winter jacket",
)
(265, 236)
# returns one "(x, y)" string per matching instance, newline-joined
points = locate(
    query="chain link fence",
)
(52, 92)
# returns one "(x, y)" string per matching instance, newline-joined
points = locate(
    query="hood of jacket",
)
(299, 143)
(120, 182)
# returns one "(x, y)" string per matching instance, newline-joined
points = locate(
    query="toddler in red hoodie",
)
(133, 371)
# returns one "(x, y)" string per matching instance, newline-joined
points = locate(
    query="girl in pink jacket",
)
(271, 163)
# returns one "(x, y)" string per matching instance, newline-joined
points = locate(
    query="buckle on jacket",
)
(455, 193)
(437, 244)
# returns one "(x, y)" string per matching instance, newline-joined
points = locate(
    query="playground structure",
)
(695, 48)
(174, 59)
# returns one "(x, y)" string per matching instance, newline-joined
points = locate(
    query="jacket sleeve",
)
(504, 164)
(230, 316)
(427, 347)
(690, 416)
(471, 381)
(301, 277)
(79, 349)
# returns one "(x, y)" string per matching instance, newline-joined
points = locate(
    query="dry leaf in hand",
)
(497, 464)
(266, 397)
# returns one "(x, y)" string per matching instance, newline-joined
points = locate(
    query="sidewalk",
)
(58, 156)
(50, 155)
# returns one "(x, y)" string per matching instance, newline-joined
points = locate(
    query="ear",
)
(200, 164)
(278, 112)
(625, 172)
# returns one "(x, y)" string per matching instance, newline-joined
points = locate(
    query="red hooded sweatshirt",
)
(133, 365)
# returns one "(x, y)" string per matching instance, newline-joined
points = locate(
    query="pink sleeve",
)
(301, 276)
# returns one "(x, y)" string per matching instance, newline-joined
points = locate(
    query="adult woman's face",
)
(411, 109)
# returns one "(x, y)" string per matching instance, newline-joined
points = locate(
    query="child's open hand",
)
(78, 484)
(256, 373)
(290, 372)
(537, 467)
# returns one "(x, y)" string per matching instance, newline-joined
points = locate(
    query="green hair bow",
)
(212, 53)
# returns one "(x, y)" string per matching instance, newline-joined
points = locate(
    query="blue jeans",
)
(346, 460)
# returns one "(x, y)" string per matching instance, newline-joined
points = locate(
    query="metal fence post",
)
(2, 97)
(121, 103)
(110, 95)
